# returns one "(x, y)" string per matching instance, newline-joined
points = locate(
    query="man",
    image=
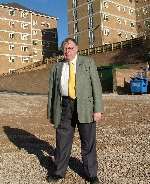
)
(75, 99)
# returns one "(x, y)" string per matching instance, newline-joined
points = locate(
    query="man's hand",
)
(50, 121)
(97, 116)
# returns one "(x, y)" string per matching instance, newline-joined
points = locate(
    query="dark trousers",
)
(64, 140)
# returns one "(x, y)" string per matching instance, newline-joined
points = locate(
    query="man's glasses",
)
(68, 48)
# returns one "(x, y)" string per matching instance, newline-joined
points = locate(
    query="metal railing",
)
(114, 46)
(91, 51)
(35, 65)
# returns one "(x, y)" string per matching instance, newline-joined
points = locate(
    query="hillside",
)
(32, 82)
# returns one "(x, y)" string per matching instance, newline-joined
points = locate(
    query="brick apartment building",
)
(26, 36)
(98, 22)
(143, 16)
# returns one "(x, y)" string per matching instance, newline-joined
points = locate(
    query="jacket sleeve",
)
(51, 87)
(96, 88)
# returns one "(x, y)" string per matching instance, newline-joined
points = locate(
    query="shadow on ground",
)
(33, 145)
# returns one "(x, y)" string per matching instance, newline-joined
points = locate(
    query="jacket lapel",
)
(78, 73)
(59, 75)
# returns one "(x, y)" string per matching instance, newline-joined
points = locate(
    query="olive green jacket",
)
(88, 91)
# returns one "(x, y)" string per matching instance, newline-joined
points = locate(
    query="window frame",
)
(12, 10)
(11, 59)
(11, 35)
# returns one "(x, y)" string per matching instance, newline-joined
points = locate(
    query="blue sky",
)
(57, 8)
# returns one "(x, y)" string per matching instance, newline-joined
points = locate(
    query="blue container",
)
(138, 85)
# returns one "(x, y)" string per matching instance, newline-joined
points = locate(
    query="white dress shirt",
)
(65, 76)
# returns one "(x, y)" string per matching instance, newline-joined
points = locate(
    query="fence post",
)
(121, 44)
(112, 46)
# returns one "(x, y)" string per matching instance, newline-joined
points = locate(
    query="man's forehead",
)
(69, 43)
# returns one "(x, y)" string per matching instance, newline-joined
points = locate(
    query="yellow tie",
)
(71, 82)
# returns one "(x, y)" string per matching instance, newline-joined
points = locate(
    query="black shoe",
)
(93, 180)
(54, 178)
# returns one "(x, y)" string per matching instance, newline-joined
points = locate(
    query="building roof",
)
(19, 6)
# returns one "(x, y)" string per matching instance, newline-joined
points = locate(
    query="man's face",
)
(70, 50)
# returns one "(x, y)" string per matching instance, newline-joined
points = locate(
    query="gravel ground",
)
(27, 141)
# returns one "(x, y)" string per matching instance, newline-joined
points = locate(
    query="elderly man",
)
(75, 100)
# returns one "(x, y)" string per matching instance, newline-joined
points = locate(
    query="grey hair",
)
(67, 40)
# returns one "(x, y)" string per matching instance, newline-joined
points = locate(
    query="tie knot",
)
(71, 63)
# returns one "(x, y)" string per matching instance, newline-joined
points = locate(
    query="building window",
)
(43, 23)
(74, 3)
(34, 32)
(11, 47)
(11, 23)
(53, 35)
(118, 7)
(132, 36)
(90, 8)
(24, 48)
(25, 59)
(105, 17)
(76, 37)
(119, 21)
(35, 42)
(91, 38)
(11, 70)
(132, 24)
(120, 34)
(11, 59)
(138, 13)
(34, 23)
(12, 12)
(106, 32)
(45, 44)
(131, 11)
(145, 11)
(24, 14)
(35, 53)
(48, 25)
(24, 25)
(124, 9)
(90, 22)
(75, 14)
(76, 27)
(147, 24)
(24, 36)
(11, 35)
(105, 4)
